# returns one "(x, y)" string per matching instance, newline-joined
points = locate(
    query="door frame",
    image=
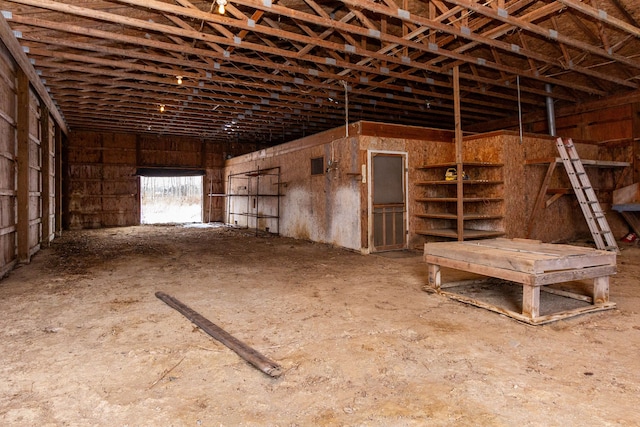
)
(405, 185)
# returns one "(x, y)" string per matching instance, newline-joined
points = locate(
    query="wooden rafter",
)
(275, 70)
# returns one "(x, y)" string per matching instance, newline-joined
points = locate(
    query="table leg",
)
(434, 276)
(601, 290)
(530, 301)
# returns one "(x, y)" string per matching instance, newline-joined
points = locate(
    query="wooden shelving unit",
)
(480, 201)
(248, 194)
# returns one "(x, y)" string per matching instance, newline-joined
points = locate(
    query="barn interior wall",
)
(28, 178)
(324, 207)
(332, 207)
(103, 188)
(8, 152)
(613, 123)
(523, 175)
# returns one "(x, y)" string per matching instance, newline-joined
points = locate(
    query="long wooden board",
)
(249, 354)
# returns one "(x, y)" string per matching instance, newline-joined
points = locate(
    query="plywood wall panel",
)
(562, 220)
(332, 207)
(324, 207)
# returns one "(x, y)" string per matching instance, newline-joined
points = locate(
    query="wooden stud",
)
(22, 194)
(458, 144)
(58, 180)
(47, 208)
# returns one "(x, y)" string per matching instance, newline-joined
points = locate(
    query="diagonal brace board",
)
(243, 350)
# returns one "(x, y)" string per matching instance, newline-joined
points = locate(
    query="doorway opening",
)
(173, 199)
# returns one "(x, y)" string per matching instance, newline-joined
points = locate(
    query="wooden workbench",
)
(530, 263)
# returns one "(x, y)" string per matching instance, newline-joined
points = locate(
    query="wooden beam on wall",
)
(47, 208)
(22, 194)
(58, 180)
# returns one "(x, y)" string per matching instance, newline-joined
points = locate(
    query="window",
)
(317, 166)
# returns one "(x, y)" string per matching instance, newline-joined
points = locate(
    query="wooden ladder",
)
(586, 196)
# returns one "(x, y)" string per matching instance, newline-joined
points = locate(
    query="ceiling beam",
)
(602, 16)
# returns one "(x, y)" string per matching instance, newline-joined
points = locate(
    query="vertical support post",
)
(435, 279)
(458, 145)
(530, 301)
(47, 208)
(58, 180)
(601, 290)
(636, 141)
(23, 190)
(203, 164)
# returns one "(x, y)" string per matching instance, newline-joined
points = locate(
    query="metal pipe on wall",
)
(551, 114)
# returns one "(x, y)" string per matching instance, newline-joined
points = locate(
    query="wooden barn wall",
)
(330, 207)
(611, 124)
(613, 121)
(563, 219)
(103, 187)
(189, 153)
(27, 167)
(323, 208)
(8, 152)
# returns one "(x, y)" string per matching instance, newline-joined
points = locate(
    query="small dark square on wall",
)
(317, 166)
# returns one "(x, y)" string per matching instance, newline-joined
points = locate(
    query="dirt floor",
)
(86, 342)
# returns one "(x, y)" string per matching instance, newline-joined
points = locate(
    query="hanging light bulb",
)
(221, 4)
(162, 108)
(179, 79)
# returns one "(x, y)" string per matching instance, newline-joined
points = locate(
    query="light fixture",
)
(221, 4)
(179, 79)
(162, 108)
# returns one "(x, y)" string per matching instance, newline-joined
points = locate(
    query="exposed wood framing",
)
(273, 71)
